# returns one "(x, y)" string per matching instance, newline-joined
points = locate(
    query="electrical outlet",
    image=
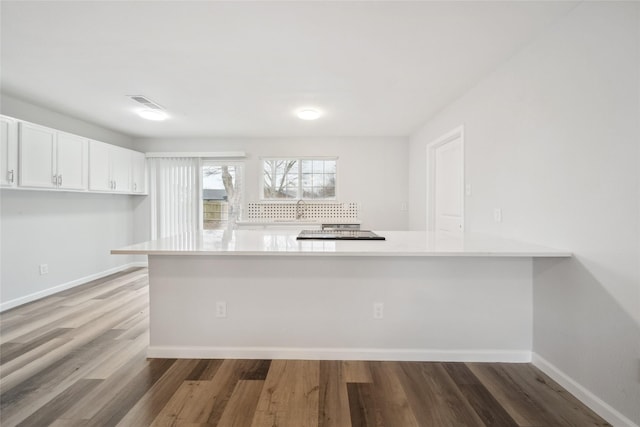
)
(467, 189)
(44, 269)
(378, 310)
(497, 215)
(221, 309)
(404, 207)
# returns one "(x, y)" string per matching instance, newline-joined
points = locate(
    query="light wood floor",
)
(77, 358)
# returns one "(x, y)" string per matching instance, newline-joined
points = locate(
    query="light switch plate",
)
(497, 215)
(221, 309)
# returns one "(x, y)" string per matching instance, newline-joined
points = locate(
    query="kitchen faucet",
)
(301, 206)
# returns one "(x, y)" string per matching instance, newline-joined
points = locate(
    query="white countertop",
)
(279, 243)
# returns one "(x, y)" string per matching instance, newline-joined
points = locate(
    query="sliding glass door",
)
(222, 193)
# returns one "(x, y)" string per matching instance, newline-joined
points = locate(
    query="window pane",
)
(306, 180)
(312, 193)
(212, 178)
(330, 180)
(330, 192)
(280, 167)
(292, 192)
(318, 180)
(307, 192)
(329, 166)
(307, 166)
(284, 183)
(221, 195)
(318, 166)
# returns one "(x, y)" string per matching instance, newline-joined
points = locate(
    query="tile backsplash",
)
(310, 210)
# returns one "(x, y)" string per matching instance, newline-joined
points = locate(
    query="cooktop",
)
(338, 235)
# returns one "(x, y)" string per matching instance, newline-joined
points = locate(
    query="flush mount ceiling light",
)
(152, 110)
(156, 115)
(308, 114)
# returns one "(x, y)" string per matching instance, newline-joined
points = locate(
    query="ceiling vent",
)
(146, 102)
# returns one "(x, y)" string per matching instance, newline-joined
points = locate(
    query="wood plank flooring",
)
(77, 358)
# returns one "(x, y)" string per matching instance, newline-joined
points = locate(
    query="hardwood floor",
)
(77, 358)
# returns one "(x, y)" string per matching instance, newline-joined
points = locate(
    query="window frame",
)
(300, 189)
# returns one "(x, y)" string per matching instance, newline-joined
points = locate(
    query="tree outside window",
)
(304, 178)
(221, 194)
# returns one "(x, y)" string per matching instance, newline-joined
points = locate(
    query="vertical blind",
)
(174, 195)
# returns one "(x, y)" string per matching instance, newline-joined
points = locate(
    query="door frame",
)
(431, 174)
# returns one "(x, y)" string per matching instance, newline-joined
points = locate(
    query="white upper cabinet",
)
(138, 172)
(110, 168)
(120, 169)
(8, 152)
(51, 159)
(37, 156)
(99, 172)
(72, 153)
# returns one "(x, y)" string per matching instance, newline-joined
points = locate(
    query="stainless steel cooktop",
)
(338, 235)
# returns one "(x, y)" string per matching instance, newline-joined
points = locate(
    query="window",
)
(221, 194)
(299, 178)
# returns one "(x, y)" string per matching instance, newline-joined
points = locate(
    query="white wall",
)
(371, 170)
(71, 232)
(20, 109)
(552, 138)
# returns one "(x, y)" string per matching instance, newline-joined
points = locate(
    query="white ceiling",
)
(242, 68)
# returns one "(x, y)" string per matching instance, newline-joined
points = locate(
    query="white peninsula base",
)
(465, 299)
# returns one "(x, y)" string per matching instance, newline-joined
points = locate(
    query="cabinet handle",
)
(115, 184)
(10, 176)
(55, 179)
(134, 186)
(60, 179)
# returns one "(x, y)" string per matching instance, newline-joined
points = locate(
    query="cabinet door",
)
(120, 169)
(138, 172)
(99, 173)
(72, 161)
(37, 145)
(8, 151)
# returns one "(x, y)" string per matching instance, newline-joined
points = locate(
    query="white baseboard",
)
(144, 264)
(81, 281)
(599, 406)
(338, 354)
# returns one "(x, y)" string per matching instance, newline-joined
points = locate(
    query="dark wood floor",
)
(78, 359)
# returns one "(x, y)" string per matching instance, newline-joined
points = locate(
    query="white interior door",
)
(448, 187)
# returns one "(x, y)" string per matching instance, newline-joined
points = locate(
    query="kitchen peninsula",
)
(413, 296)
